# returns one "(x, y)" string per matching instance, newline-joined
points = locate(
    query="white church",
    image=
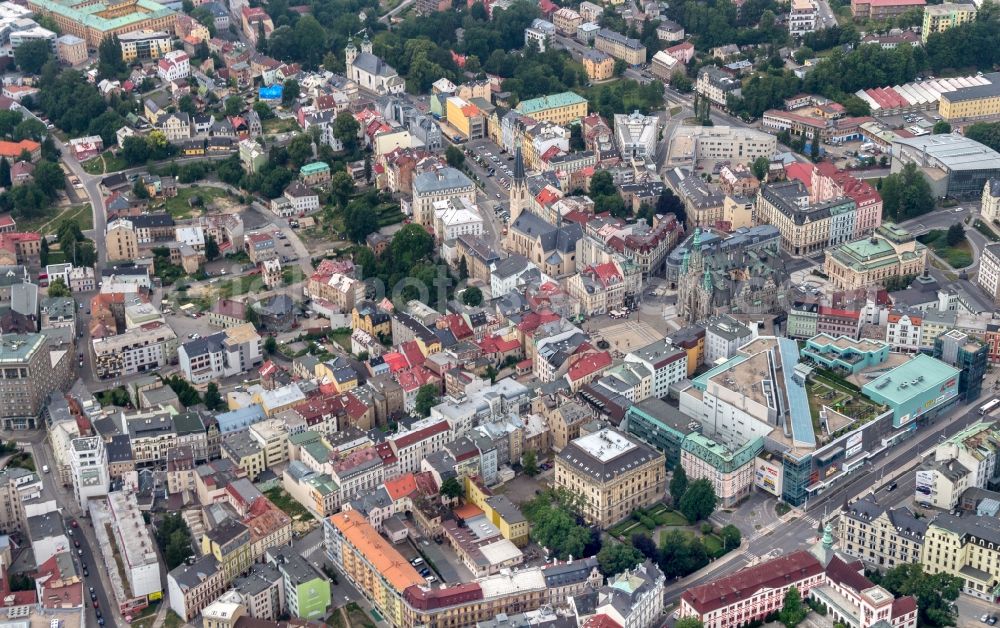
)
(371, 73)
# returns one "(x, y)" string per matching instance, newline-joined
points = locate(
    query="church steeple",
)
(518, 185)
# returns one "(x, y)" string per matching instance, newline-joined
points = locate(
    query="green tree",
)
(614, 558)
(110, 64)
(793, 611)
(955, 234)
(689, 622)
(4, 173)
(427, 398)
(987, 133)
(731, 537)
(941, 127)
(234, 105)
(602, 184)
(360, 220)
(346, 129)
(906, 194)
(263, 110)
(213, 400)
(135, 150)
(290, 92)
(211, 248)
(452, 489)
(760, 168)
(814, 146)
(43, 253)
(174, 539)
(529, 462)
(576, 141)
(935, 593)
(139, 189)
(49, 177)
(32, 55)
(186, 105)
(341, 187)
(58, 288)
(698, 501)
(454, 156)
(472, 296)
(678, 484)
(300, 150)
(554, 525)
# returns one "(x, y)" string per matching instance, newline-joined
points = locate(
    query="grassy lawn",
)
(178, 206)
(54, 216)
(277, 125)
(713, 544)
(22, 460)
(104, 163)
(986, 230)
(672, 518)
(237, 286)
(292, 274)
(173, 620)
(958, 256)
(356, 617)
(660, 516)
(344, 340)
(285, 502)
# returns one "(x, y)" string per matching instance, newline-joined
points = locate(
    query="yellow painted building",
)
(613, 474)
(971, 103)
(371, 563)
(122, 242)
(230, 543)
(940, 17)
(561, 108)
(599, 66)
(967, 547)
(465, 117)
(246, 453)
(369, 318)
(499, 510)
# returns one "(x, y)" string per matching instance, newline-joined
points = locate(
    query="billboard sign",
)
(854, 445)
(767, 476)
(925, 483)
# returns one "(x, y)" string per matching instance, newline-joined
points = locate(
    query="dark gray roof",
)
(603, 471)
(190, 576)
(261, 578)
(568, 572)
(152, 220)
(868, 509)
(558, 239)
(205, 344)
(119, 448)
(373, 65)
(511, 266)
(985, 528)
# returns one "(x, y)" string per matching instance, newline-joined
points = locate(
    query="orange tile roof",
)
(401, 487)
(12, 150)
(399, 573)
(467, 511)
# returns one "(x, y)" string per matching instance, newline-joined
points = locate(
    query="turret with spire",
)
(350, 54)
(518, 198)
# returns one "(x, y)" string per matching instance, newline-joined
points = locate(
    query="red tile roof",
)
(422, 434)
(848, 575)
(903, 606)
(426, 598)
(600, 621)
(589, 364)
(396, 361)
(745, 583)
(401, 487)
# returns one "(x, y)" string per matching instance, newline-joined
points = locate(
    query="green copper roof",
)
(542, 103)
(88, 14)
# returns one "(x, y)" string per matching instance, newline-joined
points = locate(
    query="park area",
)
(826, 389)
(951, 246)
(661, 523)
(191, 199)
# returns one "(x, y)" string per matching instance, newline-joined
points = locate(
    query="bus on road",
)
(987, 407)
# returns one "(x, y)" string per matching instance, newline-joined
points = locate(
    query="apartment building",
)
(716, 85)
(667, 364)
(690, 144)
(442, 184)
(967, 547)
(940, 17)
(629, 50)
(806, 227)
(144, 45)
(89, 469)
(121, 239)
(562, 108)
(370, 562)
(193, 587)
(802, 17)
(229, 543)
(566, 21)
(272, 436)
(147, 347)
(903, 330)
(880, 10)
(881, 537)
(636, 135)
(615, 473)
(989, 271)
(134, 545)
(223, 354)
(12, 515)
